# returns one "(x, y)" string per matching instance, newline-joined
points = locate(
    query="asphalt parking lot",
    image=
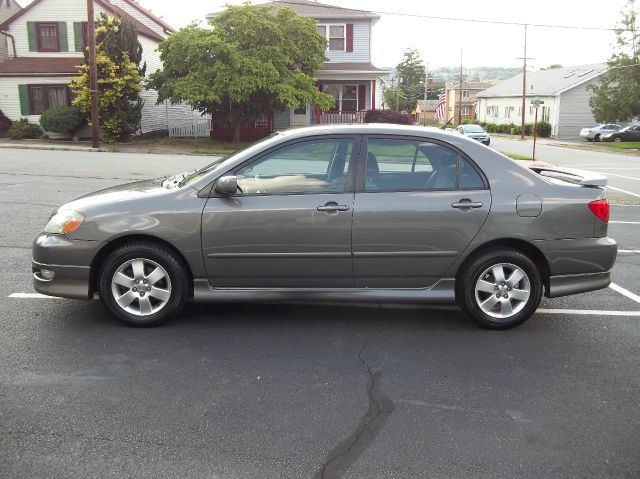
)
(318, 391)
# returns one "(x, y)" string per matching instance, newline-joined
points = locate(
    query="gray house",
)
(563, 91)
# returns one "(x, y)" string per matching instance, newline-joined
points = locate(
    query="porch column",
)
(373, 94)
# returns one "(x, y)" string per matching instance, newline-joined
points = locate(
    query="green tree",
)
(411, 75)
(252, 62)
(617, 94)
(120, 76)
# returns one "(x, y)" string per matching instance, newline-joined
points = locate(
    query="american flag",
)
(440, 108)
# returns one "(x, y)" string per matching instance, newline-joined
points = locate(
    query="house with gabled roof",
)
(46, 41)
(563, 91)
(348, 75)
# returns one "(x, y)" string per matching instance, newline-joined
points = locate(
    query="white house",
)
(563, 91)
(348, 75)
(46, 40)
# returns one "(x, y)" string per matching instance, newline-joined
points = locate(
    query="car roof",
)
(368, 129)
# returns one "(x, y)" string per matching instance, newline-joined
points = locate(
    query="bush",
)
(5, 124)
(544, 129)
(62, 119)
(22, 129)
(388, 116)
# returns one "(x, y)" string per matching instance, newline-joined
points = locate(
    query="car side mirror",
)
(227, 185)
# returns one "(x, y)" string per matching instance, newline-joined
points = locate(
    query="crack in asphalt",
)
(43, 175)
(341, 457)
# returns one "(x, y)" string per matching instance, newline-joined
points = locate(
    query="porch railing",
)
(339, 117)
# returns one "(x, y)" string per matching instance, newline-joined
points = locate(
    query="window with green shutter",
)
(23, 91)
(78, 36)
(62, 37)
(31, 32)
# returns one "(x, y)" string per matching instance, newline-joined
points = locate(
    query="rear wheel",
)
(499, 289)
(617, 139)
(142, 284)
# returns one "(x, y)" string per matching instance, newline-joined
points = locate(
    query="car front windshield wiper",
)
(176, 181)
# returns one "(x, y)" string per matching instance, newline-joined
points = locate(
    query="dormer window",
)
(47, 37)
(335, 35)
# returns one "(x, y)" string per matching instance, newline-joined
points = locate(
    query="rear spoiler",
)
(578, 177)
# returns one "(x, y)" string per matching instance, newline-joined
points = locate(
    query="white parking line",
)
(624, 191)
(32, 296)
(625, 292)
(622, 176)
(632, 251)
(588, 312)
(625, 222)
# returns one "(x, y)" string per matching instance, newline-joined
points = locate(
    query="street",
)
(301, 391)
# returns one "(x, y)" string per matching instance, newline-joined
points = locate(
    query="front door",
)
(289, 225)
(418, 208)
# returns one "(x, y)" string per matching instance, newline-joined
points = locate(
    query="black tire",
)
(596, 138)
(466, 294)
(617, 139)
(174, 284)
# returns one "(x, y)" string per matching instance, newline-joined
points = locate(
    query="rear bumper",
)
(578, 265)
(577, 283)
(66, 264)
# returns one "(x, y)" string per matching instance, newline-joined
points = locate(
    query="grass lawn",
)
(185, 146)
(515, 156)
(623, 145)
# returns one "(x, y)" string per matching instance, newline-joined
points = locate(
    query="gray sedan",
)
(367, 213)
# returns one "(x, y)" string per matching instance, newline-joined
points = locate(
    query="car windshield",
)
(197, 174)
(626, 128)
(473, 129)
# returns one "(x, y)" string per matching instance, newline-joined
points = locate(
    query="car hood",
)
(117, 194)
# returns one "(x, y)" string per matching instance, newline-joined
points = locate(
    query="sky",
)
(441, 42)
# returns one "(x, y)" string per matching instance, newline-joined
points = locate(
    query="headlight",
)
(65, 221)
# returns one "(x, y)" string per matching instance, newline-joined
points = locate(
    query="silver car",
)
(595, 133)
(368, 213)
(476, 132)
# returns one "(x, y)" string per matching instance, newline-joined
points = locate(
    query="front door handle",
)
(466, 204)
(333, 206)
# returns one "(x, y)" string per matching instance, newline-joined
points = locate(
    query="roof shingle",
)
(30, 66)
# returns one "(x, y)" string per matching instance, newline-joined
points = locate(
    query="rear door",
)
(417, 207)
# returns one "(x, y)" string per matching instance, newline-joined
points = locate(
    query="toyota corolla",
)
(372, 213)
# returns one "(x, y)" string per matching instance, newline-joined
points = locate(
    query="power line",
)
(475, 20)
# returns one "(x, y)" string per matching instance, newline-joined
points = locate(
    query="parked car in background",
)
(368, 213)
(595, 133)
(628, 133)
(476, 132)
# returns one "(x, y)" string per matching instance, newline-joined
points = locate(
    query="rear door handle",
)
(466, 204)
(333, 207)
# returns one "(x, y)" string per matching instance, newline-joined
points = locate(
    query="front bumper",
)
(62, 267)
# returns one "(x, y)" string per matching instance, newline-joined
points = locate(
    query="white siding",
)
(68, 11)
(361, 35)
(150, 54)
(10, 96)
(576, 112)
(141, 17)
(516, 103)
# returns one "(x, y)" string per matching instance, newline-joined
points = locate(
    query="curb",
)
(22, 146)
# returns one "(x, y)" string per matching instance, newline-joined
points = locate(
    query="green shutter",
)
(77, 36)
(24, 99)
(31, 30)
(62, 35)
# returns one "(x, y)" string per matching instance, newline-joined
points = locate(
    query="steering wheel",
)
(259, 184)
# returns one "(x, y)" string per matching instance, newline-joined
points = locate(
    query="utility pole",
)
(524, 82)
(398, 95)
(93, 75)
(426, 81)
(460, 93)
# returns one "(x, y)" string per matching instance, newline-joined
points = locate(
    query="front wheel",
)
(500, 289)
(596, 138)
(142, 284)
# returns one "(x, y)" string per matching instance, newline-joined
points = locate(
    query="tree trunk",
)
(236, 132)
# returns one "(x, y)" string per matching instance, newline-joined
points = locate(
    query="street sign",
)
(537, 101)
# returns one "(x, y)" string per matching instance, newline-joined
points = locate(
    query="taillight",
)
(600, 208)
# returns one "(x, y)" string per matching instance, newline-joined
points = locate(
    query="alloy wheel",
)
(141, 287)
(502, 290)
